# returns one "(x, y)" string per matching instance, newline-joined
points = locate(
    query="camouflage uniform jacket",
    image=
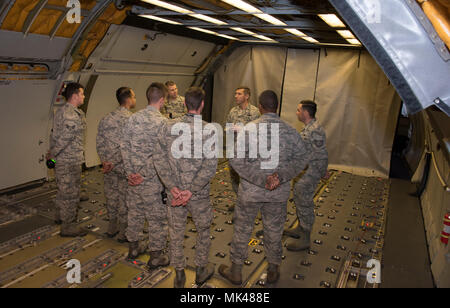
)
(109, 137)
(315, 135)
(237, 115)
(68, 135)
(193, 174)
(174, 109)
(140, 136)
(293, 157)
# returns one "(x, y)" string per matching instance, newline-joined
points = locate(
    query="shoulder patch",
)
(318, 143)
(318, 139)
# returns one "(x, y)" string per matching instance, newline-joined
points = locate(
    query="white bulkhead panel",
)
(33, 46)
(135, 58)
(24, 127)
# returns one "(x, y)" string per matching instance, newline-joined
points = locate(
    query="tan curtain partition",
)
(259, 68)
(357, 105)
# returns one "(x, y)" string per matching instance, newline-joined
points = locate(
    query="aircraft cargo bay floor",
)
(349, 231)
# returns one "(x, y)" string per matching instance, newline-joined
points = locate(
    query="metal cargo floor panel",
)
(349, 230)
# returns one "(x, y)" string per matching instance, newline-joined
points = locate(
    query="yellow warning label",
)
(253, 242)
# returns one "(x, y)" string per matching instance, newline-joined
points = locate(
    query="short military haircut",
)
(123, 94)
(246, 90)
(71, 89)
(269, 101)
(155, 92)
(194, 97)
(170, 83)
(310, 107)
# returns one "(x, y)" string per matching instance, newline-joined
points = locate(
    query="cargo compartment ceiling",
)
(285, 23)
(48, 17)
(301, 17)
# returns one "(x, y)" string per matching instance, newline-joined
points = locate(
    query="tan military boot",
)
(202, 274)
(293, 232)
(58, 220)
(304, 242)
(180, 279)
(112, 228)
(84, 197)
(233, 274)
(133, 251)
(71, 230)
(273, 273)
(157, 259)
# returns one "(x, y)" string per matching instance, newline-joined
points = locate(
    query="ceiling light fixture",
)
(302, 35)
(261, 37)
(332, 20)
(354, 41)
(296, 32)
(208, 19)
(168, 6)
(346, 34)
(242, 30)
(161, 19)
(203, 30)
(227, 37)
(270, 19)
(341, 45)
(181, 10)
(243, 6)
(255, 12)
(213, 33)
(310, 39)
(255, 41)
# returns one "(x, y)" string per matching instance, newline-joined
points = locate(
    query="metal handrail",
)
(441, 179)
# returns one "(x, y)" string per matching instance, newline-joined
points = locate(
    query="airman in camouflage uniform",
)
(256, 194)
(305, 188)
(67, 148)
(109, 137)
(174, 106)
(244, 116)
(241, 114)
(192, 176)
(144, 200)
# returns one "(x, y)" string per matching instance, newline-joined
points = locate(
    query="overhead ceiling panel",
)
(43, 17)
(300, 15)
(45, 21)
(17, 15)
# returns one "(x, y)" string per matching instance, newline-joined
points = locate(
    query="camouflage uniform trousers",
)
(68, 181)
(273, 216)
(235, 180)
(304, 191)
(145, 202)
(202, 214)
(115, 189)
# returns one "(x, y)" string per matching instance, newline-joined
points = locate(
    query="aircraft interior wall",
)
(434, 196)
(24, 126)
(26, 104)
(126, 56)
(134, 57)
